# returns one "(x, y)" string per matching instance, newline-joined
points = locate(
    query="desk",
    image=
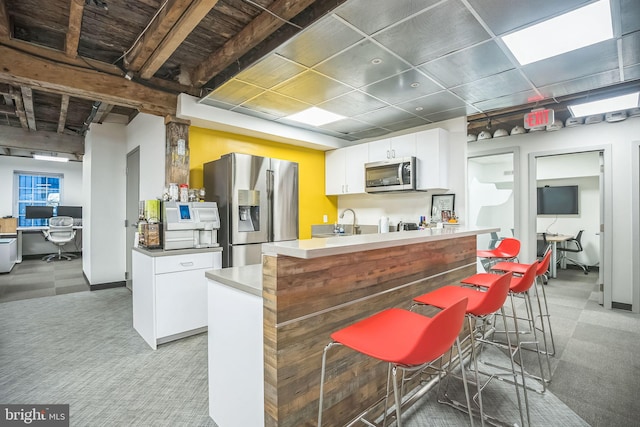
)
(554, 240)
(39, 229)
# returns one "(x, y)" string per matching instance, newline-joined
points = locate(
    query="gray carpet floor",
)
(80, 348)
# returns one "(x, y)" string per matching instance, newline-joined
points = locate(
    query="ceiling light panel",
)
(445, 28)
(617, 103)
(502, 18)
(373, 15)
(579, 28)
(468, 65)
(50, 158)
(315, 116)
(355, 66)
(323, 39)
(401, 88)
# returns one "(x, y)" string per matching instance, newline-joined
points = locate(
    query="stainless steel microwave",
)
(390, 175)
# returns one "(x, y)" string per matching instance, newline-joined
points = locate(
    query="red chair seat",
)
(480, 279)
(514, 267)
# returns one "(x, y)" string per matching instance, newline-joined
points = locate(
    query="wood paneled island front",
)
(311, 288)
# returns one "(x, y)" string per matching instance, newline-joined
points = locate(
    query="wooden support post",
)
(177, 151)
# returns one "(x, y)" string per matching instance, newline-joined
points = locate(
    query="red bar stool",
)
(519, 287)
(507, 249)
(481, 306)
(407, 341)
(541, 271)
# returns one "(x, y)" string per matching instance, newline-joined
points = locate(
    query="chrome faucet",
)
(354, 226)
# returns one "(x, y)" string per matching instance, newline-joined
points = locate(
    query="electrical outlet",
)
(325, 219)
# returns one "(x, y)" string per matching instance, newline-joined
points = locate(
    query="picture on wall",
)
(442, 207)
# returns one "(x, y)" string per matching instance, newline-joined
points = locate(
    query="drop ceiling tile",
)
(321, 40)
(218, 104)
(468, 65)
(355, 67)
(256, 113)
(446, 115)
(270, 71)
(347, 126)
(631, 49)
(491, 87)
(431, 104)
(582, 84)
(234, 92)
(312, 88)
(400, 88)
(632, 73)
(352, 104)
(275, 104)
(373, 15)
(384, 116)
(510, 100)
(502, 18)
(630, 16)
(443, 29)
(407, 124)
(370, 133)
(582, 62)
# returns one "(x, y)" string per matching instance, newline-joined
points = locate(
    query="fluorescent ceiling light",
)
(579, 28)
(315, 116)
(602, 106)
(50, 158)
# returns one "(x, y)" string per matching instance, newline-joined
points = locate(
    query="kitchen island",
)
(269, 324)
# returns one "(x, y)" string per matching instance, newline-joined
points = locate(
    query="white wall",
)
(34, 243)
(409, 207)
(103, 258)
(617, 141)
(148, 133)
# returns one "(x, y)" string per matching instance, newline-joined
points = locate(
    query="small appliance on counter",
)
(190, 225)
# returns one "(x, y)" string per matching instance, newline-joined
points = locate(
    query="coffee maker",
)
(188, 225)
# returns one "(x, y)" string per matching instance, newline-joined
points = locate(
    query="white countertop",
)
(320, 247)
(247, 278)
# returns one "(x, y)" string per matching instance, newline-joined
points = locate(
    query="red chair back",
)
(495, 296)
(439, 335)
(524, 282)
(543, 265)
(508, 248)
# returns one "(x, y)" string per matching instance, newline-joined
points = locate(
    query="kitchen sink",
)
(332, 235)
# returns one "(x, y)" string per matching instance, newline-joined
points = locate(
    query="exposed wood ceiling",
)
(65, 64)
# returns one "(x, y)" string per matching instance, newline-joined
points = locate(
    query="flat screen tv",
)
(561, 200)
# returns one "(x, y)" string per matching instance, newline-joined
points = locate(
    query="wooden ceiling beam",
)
(27, 101)
(103, 111)
(6, 109)
(151, 38)
(17, 97)
(13, 137)
(27, 70)
(250, 36)
(185, 25)
(5, 29)
(75, 25)
(64, 106)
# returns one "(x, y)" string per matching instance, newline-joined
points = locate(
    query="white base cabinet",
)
(170, 293)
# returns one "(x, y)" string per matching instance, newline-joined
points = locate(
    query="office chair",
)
(60, 232)
(577, 247)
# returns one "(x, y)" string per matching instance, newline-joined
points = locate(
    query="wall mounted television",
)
(560, 200)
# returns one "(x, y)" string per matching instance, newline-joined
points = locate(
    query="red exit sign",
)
(538, 118)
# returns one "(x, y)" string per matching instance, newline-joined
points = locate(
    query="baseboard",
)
(621, 306)
(109, 285)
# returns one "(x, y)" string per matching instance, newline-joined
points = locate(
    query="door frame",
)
(635, 229)
(136, 187)
(606, 256)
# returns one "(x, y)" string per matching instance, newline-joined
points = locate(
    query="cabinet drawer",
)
(171, 264)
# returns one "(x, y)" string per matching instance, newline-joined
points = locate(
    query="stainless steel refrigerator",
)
(257, 199)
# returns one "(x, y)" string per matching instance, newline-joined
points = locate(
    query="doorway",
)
(132, 206)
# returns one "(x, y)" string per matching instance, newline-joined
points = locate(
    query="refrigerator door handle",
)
(270, 184)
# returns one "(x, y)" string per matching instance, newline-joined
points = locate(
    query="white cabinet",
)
(392, 148)
(170, 293)
(432, 157)
(344, 170)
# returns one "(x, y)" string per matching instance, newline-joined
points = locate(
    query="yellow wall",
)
(206, 145)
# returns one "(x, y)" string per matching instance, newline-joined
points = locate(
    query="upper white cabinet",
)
(432, 157)
(392, 148)
(344, 170)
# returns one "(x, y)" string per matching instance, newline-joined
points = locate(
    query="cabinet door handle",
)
(388, 154)
(346, 188)
(393, 154)
(187, 264)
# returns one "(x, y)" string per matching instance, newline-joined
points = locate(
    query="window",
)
(35, 189)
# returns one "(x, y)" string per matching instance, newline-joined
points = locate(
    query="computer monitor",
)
(38, 212)
(72, 211)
